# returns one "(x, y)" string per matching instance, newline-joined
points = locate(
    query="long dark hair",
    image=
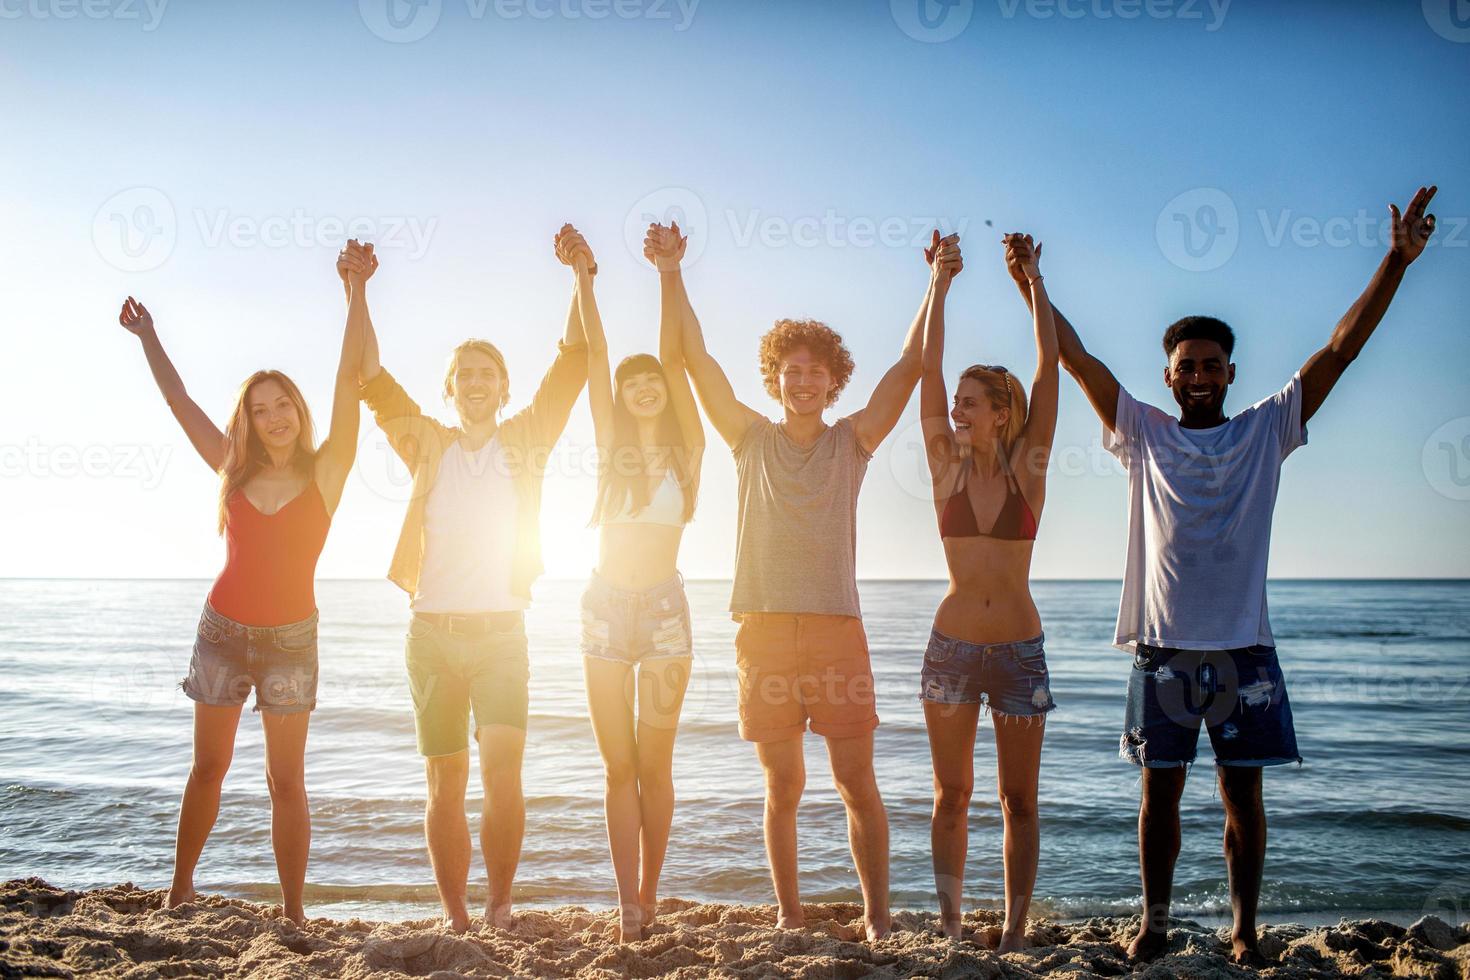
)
(624, 477)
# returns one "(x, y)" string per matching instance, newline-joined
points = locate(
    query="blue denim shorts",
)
(631, 627)
(1238, 695)
(1009, 677)
(230, 659)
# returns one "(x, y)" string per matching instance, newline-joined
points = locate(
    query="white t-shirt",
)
(469, 535)
(1199, 521)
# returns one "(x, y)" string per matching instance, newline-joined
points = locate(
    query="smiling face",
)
(645, 395)
(806, 382)
(1199, 373)
(273, 416)
(477, 387)
(976, 419)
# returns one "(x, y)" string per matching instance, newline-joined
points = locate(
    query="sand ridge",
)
(123, 931)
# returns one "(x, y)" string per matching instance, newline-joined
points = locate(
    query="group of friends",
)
(1193, 612)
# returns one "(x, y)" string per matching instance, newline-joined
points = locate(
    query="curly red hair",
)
(824, 343)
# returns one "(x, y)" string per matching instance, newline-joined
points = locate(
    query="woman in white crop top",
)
(636, 641)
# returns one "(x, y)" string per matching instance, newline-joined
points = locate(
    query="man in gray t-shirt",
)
(1201, 492)
(801, 650)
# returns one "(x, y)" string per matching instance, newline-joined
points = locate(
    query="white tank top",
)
(470, 535)
(666, 507)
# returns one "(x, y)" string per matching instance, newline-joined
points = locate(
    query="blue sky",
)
(208, 158)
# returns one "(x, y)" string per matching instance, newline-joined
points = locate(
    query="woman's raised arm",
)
(203, 434)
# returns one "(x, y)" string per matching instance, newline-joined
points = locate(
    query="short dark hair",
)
(1199, 328)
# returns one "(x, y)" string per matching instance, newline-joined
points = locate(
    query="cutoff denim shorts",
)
(631, 627)
(230, 658)
(1238, 695)
(1011, 678)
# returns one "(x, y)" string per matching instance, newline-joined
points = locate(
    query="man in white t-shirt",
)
(1201, 490)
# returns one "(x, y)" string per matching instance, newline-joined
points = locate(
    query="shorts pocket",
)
(941, 648)
(209, 632)
(297, 640)
(596, 632)
(1031, 660)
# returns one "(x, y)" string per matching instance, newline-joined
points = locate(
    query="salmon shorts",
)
(800, 667)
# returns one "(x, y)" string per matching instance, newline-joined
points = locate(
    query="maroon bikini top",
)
(1014, 523)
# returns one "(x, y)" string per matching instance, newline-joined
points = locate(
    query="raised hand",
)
(356, 263)
(135, 318)
(664, 246)
(571, 247)
(1411, 230)
(944, 258)
(1023, 257)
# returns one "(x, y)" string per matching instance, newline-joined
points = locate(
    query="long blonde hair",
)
(1005, 392)
(244, 453)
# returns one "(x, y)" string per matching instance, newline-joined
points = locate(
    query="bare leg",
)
(503, 819)
(661, 686)
(214, 747)
(1245, 855)
(610, 702)
(448, 832)
(1017, 764)
(785, 769)
(952, 749)
(867, 825)
(1158, 849)
(285, 775)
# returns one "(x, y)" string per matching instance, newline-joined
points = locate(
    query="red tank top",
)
(270, 560)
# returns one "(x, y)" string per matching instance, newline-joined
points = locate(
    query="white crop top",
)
(666, 507)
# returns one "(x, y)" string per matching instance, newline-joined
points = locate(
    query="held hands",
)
(356, 264)
(1411, 230)
(572, 249)
(664, 246)
(944, 258)
(1023, 257)
(135, 318)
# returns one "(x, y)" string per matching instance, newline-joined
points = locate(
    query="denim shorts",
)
(461, 663)
(1238, 695)
(630, 627)
(230, 658)
(1009, 677)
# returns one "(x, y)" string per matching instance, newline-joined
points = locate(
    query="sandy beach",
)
(123, 931)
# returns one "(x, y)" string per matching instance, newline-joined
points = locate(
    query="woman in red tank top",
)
(258, 629)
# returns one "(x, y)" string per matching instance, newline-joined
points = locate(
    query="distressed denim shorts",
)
(1009, 677)
(1238, 695)
(230, 658)
(630, 627)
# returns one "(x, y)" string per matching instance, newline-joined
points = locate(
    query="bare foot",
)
(456, 916)
(1147, 945)
(1243, 952)
(179, 896)
(630, 924)
(1012, 941)
(498, 916)
(877, 928)
(296, 914)
(950, 926)
(790, 920)
(650, 912)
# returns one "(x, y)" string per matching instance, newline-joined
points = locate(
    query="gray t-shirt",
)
(796, 540)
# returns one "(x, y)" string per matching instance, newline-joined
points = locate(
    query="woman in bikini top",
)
(987, 457)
